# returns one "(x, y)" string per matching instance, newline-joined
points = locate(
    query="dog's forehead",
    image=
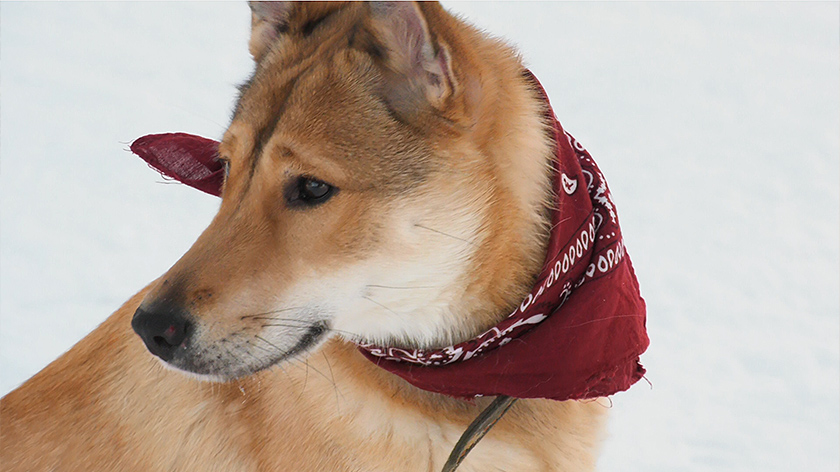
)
(326, 107)
(290, 56)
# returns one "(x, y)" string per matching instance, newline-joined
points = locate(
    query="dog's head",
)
(367, 193)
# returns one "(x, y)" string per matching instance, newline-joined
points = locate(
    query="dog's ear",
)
(268, 21)
(417, 67)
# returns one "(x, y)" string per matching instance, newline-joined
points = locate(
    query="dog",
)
(388, 181)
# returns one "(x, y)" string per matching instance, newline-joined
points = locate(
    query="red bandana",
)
(578, 334)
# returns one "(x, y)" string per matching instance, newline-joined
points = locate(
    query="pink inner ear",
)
(189, 159)
(412, 55)
(272, 12)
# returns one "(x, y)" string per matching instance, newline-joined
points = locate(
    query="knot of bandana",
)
(578, 333)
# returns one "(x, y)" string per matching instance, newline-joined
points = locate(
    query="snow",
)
(717, 125)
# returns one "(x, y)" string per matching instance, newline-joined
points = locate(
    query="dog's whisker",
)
(233, 356)
(284, 325)
(335, 387)
(285, 372)
(383, 306)
(248, 342)
(252, 355)
(255, 315)
(401, 288)
(289, 320)
(444, 234)
(258, 347)
(292, 360)
(304, 325)
(309, 366)
(305, 378)
(280, 364)
(268, 342)
(259, 361)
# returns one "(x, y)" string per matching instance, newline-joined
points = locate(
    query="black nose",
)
(163, 330)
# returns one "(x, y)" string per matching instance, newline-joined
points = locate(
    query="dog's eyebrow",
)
(227, 145)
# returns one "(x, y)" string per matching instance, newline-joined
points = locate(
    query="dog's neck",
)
(506, 116)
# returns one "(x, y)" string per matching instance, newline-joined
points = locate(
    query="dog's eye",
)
(308, 192)
(314, 189)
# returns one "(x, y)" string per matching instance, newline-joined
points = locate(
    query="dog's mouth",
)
(311, 337)
(241, 355)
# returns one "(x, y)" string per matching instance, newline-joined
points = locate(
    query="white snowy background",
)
(717, 125)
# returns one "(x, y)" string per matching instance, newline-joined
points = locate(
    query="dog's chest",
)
(414, 443)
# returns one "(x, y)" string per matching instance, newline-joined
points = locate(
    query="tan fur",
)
(437, 229)
(108, 405)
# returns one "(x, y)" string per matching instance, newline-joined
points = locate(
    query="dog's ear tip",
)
(269, 10)
(267, 18)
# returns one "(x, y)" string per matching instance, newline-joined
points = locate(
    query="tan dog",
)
(388, 173)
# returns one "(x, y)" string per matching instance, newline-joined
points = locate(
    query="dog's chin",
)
(221, 374)
(214, 378)
(235, 362)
